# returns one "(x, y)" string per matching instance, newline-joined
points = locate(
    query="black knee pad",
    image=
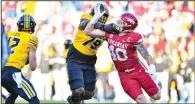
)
(34, 100)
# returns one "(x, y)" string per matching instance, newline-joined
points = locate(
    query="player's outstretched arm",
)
(93, 25)
(145, 54)
(90, 30)
(83, 24)
(98, 12)
(152, 69)
(109, 28)
(98, 29)
(32, 59)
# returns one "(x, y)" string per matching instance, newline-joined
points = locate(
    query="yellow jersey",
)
(19, 42)
(84, 47)
(84, 43)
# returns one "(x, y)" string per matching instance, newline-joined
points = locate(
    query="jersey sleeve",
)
(86, 16)
(33, 43)
(83, 24)
(136, 39)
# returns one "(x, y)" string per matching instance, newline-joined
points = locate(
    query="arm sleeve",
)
(33, 43)
(110, 28)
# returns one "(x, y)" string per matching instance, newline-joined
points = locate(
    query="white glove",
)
(152, 72)
(98, 12)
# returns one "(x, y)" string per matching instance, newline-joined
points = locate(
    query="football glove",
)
(99, 10)
(152, 72)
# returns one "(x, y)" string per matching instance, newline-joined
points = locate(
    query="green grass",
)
(21, 101)
(55, 102)
(42, 102)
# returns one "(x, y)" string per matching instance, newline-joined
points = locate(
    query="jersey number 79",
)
(95, 43)
(16, 42)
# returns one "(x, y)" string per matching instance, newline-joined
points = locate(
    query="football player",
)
(81, 58)
(123, 49)
(22, 45)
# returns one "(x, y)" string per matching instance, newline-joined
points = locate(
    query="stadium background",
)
(168, 29)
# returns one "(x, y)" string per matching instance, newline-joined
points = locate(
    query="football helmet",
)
(26, 23)
(127, 22)
(105, 16)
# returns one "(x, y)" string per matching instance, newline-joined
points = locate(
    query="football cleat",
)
(69, 99)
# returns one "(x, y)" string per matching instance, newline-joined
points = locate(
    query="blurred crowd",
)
(167, 28)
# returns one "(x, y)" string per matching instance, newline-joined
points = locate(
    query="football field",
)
(42, 102)
(59, 102)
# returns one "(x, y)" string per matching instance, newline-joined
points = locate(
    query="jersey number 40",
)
(115, 54)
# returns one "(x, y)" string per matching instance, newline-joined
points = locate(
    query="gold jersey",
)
(84, 43)
(19, 42)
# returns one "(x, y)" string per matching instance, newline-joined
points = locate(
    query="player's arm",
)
(32, 59)
(109, 28)
(98, 29)
(96, 33)
(95, 28)
(32, 46)
(145, 54)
